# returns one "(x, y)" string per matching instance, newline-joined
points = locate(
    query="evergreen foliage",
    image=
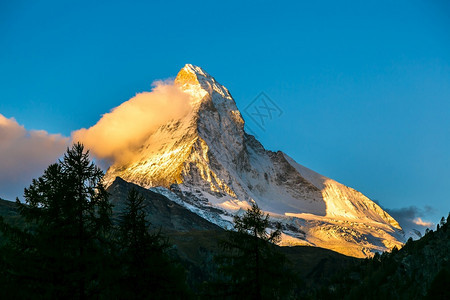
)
(62, 251)
(147, 272)
(419, 270)
(69, 247)
(250, 267)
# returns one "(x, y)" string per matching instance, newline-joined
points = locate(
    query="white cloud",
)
(24, 155)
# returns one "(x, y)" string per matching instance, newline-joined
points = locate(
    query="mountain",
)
(196, 241)
(206, 162)
(162, 212)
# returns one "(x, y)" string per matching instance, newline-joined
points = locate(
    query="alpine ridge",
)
(206, 162)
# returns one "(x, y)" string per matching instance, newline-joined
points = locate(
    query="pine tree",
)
(251, 267)
(146, 270)
(63, 250)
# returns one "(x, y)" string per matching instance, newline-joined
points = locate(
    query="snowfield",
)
(207, 163)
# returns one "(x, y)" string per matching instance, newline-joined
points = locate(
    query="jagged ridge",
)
(207, 162)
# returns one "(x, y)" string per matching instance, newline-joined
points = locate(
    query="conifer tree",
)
(251, 267)
(147, 271)
(63, 250)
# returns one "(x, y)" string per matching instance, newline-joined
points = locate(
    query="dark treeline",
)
(419, 270)
(69, 247)
(67, 244)
(249, 266)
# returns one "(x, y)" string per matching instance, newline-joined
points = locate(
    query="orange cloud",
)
(127, 126)
(419, 221)
(24, 155)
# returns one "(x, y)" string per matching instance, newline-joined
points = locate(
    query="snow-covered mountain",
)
(206, 162)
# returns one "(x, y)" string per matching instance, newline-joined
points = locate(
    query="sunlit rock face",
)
(208, 163)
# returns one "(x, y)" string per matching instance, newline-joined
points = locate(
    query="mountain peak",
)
(195, 81)
(194, 75)
(206, 162)
(189, 75)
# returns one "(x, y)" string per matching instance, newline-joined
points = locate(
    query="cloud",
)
(24, 155)
(420, 222)
(412, 218)
(127, 126)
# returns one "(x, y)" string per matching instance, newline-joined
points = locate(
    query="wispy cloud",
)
(24, 155)
(420, 222)
(118, 133)
(412, 218)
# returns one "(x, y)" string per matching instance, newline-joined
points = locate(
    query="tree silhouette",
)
(146, 270)
(63, 249)
(251, 267)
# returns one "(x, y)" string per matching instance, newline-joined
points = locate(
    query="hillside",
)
(195, 240)
(8, 210)
(162, 212)
(419, 270)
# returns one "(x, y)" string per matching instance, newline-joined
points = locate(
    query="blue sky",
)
(364, 87)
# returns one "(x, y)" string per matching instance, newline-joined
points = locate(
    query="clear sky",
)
(363, 86)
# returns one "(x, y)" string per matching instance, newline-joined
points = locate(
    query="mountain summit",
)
(206, 162)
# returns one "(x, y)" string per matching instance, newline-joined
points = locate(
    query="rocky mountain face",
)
(207, 163)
